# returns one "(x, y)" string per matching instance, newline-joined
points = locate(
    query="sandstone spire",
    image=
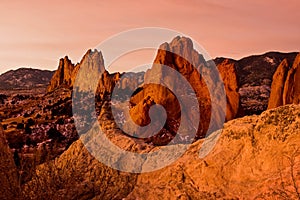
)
(67, 72)
(291, 92)
(286, 85)
(63, 74)
(181, 56)
(279, 78)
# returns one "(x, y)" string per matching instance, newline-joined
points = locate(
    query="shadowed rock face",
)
(9, 187)
(285, 86)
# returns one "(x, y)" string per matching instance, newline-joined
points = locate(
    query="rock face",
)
(263, 163)
(8, 172)
(252, 159)
(228, 72)
(169, 55)
(107, 83)
(291, 92)
(93, 62)
(67, 72)
(279, 78)
(285, 86)
(62, 75)
(127, 83)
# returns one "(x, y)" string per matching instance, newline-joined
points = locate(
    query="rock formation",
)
(169, 55)
(228, 72)
(67, 72)
(291, 93)
(279, 78)
(91, 67)
(255, 78)
(9, 188)
(252, 159)
(106, 84)
(285, 86)
(62, 75)
(263, 163)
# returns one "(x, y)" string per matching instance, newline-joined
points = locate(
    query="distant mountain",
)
(25, 78)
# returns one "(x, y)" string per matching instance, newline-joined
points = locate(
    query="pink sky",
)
(37, 33)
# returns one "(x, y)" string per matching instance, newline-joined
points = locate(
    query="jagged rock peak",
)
(93, 58)
(67, 72)
(182, 47)
(165, 46)
(63, 75)
(296, 62)
(182, 42)
(64, 60)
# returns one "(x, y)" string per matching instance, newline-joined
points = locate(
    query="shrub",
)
(30, 122)
(20, 126)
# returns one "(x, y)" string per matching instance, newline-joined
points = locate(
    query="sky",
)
(36, 33)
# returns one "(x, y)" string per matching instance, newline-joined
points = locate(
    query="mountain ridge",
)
(25, 78)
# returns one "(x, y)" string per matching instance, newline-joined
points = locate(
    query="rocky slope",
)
(9, 179)
(25, 78)
(285, 86)
(255, 157)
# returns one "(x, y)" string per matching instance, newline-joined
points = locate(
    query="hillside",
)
(25, 78)
(255, 157)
